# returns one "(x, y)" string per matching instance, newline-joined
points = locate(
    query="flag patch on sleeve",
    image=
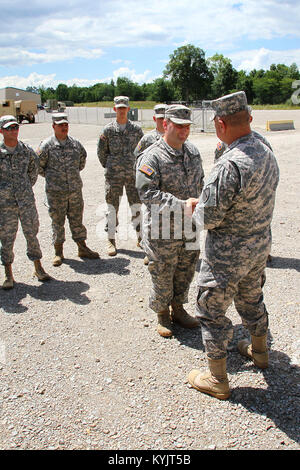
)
(147, 170)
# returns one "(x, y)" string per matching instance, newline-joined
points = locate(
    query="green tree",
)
(62, 92)
(162, 91)
(224, 75)
(189, 73)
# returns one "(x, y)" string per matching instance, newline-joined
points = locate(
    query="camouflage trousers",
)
(213, 302)
(9, 221)
(70, 205)
(172, 269)
(113, 192)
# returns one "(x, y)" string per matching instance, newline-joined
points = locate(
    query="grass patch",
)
(151, 104)
(275, 106)
(110, 104)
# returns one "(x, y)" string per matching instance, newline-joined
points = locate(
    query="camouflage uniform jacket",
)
(18, 173)
(61, 164)
(236, 207)
(146, 141)
(116, 147)
(221, 146)
(165, 179)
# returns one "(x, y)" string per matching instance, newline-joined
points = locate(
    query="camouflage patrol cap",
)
(8, 120)
(179, 114)
(230, 104)
(159, 110)
(121, 102)
(60, 118)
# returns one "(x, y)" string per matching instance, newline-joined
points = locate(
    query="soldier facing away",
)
(18, 174)
(115, 151)
(61, 159)
(236, 209)
(168, 174)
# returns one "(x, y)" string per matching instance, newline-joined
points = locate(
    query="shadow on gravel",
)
(284, 263)
(50, 291)
(100, 266)
(132, 253)
(280, 401)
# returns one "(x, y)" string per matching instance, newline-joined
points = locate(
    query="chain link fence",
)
(101, 116)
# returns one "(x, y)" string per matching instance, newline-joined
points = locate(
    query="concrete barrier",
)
(284, 125)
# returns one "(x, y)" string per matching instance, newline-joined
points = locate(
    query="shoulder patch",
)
(147, 170)
(219, 145)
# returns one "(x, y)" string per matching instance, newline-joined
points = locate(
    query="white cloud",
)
(262, 58)
(73, 31)
(132, 75)
(34, 79)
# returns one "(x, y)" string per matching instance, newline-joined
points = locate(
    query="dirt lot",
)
(81, 363)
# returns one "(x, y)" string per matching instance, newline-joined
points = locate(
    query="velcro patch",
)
(147, 170)
(219, 146)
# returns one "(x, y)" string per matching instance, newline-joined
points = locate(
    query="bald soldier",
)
(61, 159)
(236, 209)
(18, 174)
(115, 151)
(169, 173)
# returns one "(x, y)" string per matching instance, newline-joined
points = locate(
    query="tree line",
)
(188, 77)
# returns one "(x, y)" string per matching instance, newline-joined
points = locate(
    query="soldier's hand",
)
(190, 205)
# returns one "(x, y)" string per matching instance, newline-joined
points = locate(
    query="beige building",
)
(16, 94)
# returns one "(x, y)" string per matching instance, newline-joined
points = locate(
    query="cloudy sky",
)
(85, 42)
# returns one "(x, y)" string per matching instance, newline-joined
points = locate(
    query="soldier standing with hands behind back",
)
(61, 159)
(18, 174)
(115, 151)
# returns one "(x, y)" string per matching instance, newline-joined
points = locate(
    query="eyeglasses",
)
(12, 128)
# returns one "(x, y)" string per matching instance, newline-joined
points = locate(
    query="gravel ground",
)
(82, 366)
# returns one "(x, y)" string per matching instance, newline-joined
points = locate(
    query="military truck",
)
(7, 107)
(26, 111)
(53, 105)
(22, 109)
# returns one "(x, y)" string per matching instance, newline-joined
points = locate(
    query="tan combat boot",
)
(39, 271)
(8, 280)
(257, 350)
(58, 259)
(213, 382)
(146, 261)
(164, 326)
(85, 252)
(111, 247)
(180, 316)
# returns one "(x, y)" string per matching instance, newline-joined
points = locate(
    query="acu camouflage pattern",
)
(173, 177)
(115, 151)
(230, 104)
(61, 165)
(179, 114)
(147, 140)
(18, 173)
(221, 146)
(236, 208)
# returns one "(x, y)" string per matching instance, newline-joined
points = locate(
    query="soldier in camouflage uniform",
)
(61, 159)
(222, 147)
(151, 138)
(115, 151)
(18, 174)
(168, 174)
(236, 208)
